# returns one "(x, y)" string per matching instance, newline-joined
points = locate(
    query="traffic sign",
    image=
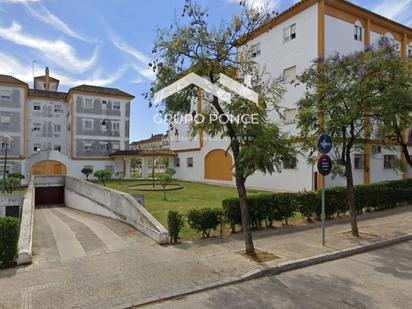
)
(325, 144)
(325, 165)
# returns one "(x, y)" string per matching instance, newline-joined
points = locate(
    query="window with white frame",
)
(358, 35)
(104, 124)
(88, 103)
(5, 119)
(189, 162)
(87, 146)
(36, 147)
(255, 50)
(115, 125)
(36, 106)
(358, 161)
(289, 33)
(289, 74)
(116, 105)
(88, 124)
(36, 127)
(58, 109)
(104, 104)
(115, 146)
(290, 116)
(104, 147)
(57, 147)
(57, 128)
(5, 95)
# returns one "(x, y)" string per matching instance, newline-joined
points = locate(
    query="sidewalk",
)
(146, 272)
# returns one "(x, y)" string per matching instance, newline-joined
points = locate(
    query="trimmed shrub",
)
(9, 237)
(204, 219)
(285, 207)
(231, 212)
(175, 223)
(308, 204)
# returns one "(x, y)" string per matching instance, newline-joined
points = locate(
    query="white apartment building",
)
(59, 133)
(286, 46)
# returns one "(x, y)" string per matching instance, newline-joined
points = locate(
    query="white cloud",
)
(258, 4)
(94, 79)
(59, 52)
(392, 9)
(11, 66)
(44, 15)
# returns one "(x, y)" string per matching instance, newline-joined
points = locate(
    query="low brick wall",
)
(96, 199)
(24, 251)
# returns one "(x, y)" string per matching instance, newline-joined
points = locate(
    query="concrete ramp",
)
(62, 233)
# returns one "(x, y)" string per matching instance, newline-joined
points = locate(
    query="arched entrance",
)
(48, 168)
(218, 165)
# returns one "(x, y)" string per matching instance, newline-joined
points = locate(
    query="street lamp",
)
(6, 142)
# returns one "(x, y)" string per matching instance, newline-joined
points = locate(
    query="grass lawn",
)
(193, 195)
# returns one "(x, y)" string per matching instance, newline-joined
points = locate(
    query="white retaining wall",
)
(96, 199)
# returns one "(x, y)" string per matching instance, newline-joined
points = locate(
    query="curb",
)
(272, 270)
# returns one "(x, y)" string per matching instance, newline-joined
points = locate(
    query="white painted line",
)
(67, 243)
(112, 241)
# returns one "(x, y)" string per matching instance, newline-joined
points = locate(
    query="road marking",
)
(112, 241)
(67, 243)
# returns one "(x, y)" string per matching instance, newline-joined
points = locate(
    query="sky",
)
(109, 42)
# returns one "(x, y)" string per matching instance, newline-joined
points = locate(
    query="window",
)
(189, 162)
(88, 103)
(290, 164)
(5, 119)
(255, 49)
(358, 31)
(36, 147)
(87, 146)
(116, 105)
(36, 127)
(289, 74)
(104, 147)
(116, 125)
(58, 109)
(177, 162)
(289, 33)
(359, 162)
(290, 116)
(389, 161)
(376, 149)
(5, 95)
(104, 124)
(4, 145)
(37, 107)
(88, 124)
(410, 51)
(104, 104)
(57, 128)
(57, 147)
(115, 146)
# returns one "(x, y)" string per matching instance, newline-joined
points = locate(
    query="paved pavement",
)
(377, 279)
(83, 260)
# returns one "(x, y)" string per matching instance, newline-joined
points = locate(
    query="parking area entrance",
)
(49, 195)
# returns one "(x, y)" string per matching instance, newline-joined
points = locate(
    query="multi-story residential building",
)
(157, 141)
(56, 133)
(286, 46)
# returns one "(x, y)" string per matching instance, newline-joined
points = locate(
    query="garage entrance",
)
(49, 195)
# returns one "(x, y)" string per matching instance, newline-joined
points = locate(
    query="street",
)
(377, 279)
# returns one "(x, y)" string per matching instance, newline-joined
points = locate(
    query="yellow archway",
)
(218, 165)
(48, 168)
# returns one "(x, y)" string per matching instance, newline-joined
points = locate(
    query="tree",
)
(14, 180)
(395, 117)
(87, 171)
(171, 171)
(165, 180)
(344, 96)
(192, 44)
(103, 175)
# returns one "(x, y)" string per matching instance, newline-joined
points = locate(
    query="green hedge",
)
(267, 208)
(9, 237)
(204, 219)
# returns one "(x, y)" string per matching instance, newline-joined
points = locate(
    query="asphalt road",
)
(377, 279)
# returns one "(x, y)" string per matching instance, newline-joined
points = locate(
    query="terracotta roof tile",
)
(101, 90)
(11, 80)
(47, 94)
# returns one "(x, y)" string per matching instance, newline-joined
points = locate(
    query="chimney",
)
(46, 79)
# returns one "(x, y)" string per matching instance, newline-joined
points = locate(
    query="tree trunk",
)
(405, 151)
(351, 195)
(247, 233)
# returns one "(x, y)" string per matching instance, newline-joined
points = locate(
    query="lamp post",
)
(6, 142)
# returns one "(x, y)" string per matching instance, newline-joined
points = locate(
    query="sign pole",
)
(323, 210)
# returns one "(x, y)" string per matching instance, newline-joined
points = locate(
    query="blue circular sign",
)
(325, 165)
(325, 144)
